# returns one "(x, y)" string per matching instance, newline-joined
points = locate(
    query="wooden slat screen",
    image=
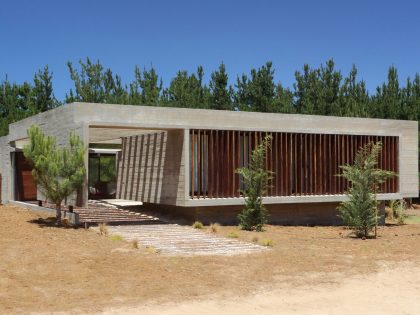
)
(303, 164)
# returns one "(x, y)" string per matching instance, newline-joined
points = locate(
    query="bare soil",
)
(45, 269)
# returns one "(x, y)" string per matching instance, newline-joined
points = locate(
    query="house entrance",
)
(25, 183)
(102, 175)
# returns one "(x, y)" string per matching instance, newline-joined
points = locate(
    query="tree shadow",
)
(51, 222)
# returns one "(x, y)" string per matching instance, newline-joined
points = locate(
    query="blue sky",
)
(175, 35)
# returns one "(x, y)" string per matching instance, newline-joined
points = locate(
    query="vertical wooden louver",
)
(303, 164)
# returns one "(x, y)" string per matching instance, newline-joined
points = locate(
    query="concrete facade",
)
(152, 171)
(160, 137)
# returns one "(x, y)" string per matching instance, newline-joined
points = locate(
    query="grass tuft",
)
(152, 250)
(233, 234)
(214, 227)
(116, 238)
(135, 244)
(389, 213)
(267, 243)
(65, 222)
(197, 225)
(103, 229)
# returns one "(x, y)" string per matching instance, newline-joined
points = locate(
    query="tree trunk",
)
(58, 212)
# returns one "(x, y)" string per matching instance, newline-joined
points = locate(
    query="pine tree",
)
(42, 92)
(241, 95)
(283, 102)
(262, 88)
(256, 180)
(187, 91)
(220, 94)
(360, 211)
(58, 172)
(88, 83)
(317, 90)
(354, 99)
(387, 102)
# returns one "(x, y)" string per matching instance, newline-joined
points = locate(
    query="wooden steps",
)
(102, 212)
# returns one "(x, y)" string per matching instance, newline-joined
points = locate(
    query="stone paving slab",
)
(174, 239)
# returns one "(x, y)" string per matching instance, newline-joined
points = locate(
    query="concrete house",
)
(183, 161)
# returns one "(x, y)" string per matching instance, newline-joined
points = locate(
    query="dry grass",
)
(135, 244)
(103, 229)
(233, 234)
(65, 222)
(116, 238)
(35, 267)
(267, 243)
(214, 227)
(152, 250)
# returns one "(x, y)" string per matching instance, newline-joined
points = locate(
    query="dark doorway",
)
(102, 176)
(25, 183)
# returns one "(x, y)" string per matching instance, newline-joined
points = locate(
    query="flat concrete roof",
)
(108, 121)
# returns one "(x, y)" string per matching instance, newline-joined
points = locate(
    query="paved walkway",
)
(174, 239)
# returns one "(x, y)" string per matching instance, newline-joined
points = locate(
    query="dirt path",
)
(390, 292)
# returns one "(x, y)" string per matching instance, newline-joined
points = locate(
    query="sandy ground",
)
(309, 270)
(390, 292)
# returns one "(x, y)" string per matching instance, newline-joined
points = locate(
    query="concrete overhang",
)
(112, 134)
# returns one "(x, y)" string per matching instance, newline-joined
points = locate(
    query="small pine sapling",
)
(360, 211)
(58, 172)
(256, 180)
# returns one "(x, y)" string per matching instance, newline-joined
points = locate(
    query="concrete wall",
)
(310, 214)
(5, 169)
(287, 214)
(151, 168)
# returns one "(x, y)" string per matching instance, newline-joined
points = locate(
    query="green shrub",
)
(197, 225)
